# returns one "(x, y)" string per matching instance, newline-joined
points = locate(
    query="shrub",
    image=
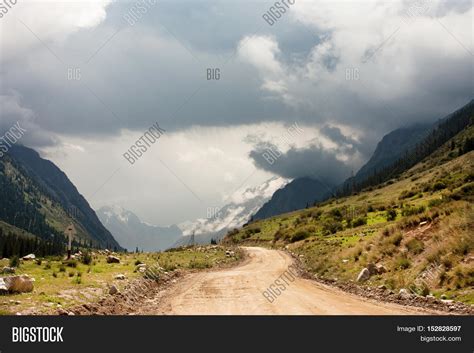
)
(86, 258)
(415, 246)
(62, 268)
(331, 226)
(410, 211)
(402, 263)
(396, 239)
(71, 263)
(15, 261)
(360, 221)
(55, 274)
(300, 235)
(390, 214)
(405, 194)
(47, 266)
(439, 185)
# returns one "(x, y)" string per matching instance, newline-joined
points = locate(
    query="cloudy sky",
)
(87, 79)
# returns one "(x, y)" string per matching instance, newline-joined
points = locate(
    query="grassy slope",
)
(67, 286)
(438, 191)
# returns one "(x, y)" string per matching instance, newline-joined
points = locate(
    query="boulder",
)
(8, 270)
(113, 259)
(372, 269)
(29, 257)
(113, 290)
(404, 294)
(3, 287)
(19, 284)
(381, 269)
(364, 275)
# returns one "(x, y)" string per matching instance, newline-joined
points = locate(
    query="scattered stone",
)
(443, 296)
(364, 275)
(120, 276)
(345, 261)
(381, 269)
(113, 290)
(19, 284)
(113, 259)
(382, 287)
(404, 294)
(7, 269)
(431, 298)
(423, 223)
(29, 257)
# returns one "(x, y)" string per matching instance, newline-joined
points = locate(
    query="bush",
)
(300, 235)
(439, 185)
(15, 261)
(390, 214)
(331, 226)
(402, 263)
(47, 266)
(415, 246)
(396, 239)
(71, 263)
(360, 221)
(62, 268)
(86, 258)
(410, 211)
(405, 194)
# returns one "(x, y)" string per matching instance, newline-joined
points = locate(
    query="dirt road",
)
(238, 291)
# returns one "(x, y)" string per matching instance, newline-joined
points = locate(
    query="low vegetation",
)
(63, 283)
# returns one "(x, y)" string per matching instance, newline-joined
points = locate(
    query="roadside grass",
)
(58, 285)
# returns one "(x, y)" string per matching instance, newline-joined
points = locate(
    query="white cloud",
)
(49, 20)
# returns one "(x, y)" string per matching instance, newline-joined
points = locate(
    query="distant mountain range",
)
(297, 194)
(36, 196)
(131, 232)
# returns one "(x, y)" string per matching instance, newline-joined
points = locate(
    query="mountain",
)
(434, 137)
(36, 196)
(131, 232)
(392, 147)
(299, 193)
(398, 151)
(232, 215)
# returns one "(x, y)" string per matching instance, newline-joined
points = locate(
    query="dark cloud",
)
(313, 161)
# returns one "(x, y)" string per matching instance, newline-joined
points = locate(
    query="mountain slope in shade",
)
(41, 199)
(232, 215)
(297, 194)
(131, 232)
(410, 144)
(392, 147)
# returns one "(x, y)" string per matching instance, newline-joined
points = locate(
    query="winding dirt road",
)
(238, 291)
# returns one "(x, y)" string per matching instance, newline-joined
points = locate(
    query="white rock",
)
(29, 257)
(364, 275)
